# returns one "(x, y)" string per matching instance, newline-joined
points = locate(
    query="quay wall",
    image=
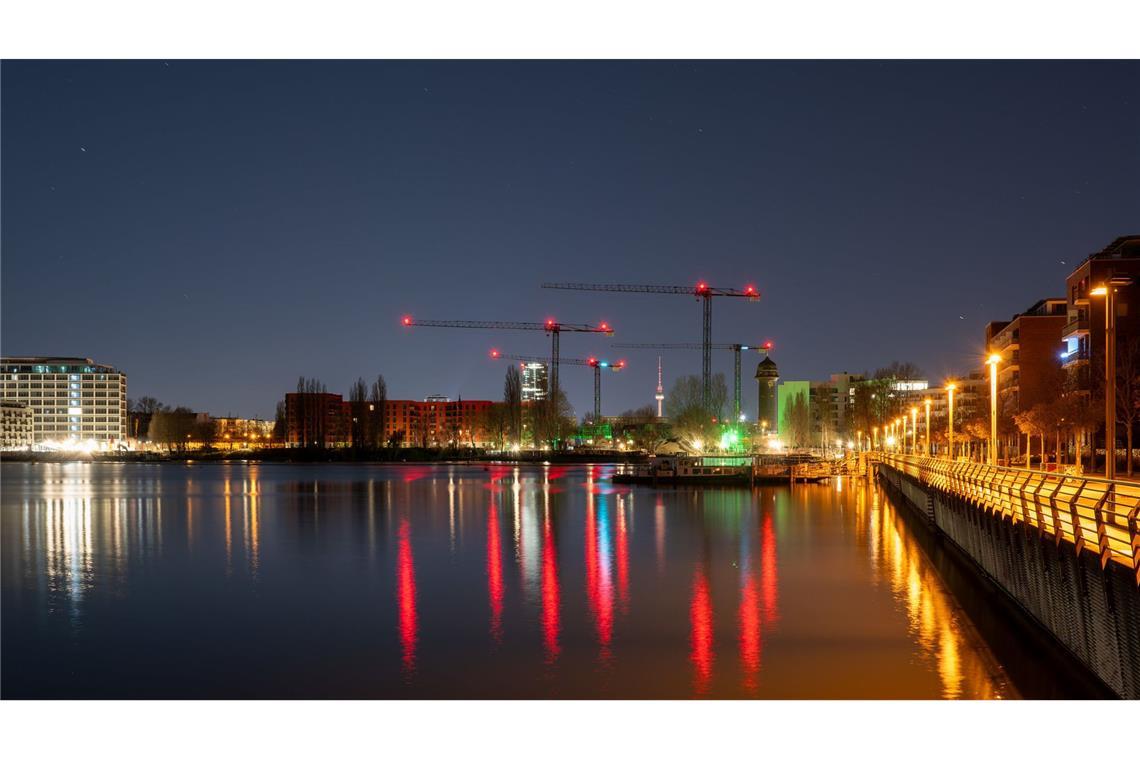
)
(1093, 612)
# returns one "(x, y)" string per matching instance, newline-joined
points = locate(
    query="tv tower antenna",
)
(660, 388)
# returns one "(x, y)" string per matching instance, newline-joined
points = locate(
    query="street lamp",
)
(902, 442)
(993, 362)
(874, 437)
(914, 430)
(1108, 290)
(950, 388)
(926, 402)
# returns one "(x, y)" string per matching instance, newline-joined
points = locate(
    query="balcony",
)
(1074, 327)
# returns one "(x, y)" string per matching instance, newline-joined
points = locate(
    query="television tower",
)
(660, 389)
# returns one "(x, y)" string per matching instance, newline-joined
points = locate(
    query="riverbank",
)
(390, 456)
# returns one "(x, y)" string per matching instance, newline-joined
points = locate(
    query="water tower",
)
(767, 377)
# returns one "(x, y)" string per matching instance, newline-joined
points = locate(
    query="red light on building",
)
(407, 321)
(750, 289)
(494, 353)
(702, 286)
(593, 362)
(767, 345)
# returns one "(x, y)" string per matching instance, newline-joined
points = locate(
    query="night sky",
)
(215, 229)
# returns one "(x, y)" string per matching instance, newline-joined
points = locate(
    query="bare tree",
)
(360, 422)
(512, 400)
(684, 406)
(1128, 389)
(379, 408)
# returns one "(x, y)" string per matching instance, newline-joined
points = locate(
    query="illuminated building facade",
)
(1083, 332)
(437, 421)
(533, 381)
(73, 400)
(15, 426)
(237, 430)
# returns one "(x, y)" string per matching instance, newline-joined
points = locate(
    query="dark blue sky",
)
(216, 229)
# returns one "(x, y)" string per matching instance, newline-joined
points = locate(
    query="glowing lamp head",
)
(993, 359)
(1099, 290)
(928, 402)
(951, 387)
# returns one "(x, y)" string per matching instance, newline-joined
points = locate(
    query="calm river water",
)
(351, 581)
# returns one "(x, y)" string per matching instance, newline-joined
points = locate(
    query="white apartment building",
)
(15, 426)
(72, 399)
(533, 381)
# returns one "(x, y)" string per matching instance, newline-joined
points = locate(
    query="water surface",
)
(357, 581)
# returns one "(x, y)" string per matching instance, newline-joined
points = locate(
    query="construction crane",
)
(551, 327)
(701, 290)
(735, 348)
(597, 364)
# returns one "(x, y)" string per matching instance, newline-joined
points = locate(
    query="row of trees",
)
(172, 427)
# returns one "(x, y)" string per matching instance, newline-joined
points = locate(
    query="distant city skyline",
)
(216, 229)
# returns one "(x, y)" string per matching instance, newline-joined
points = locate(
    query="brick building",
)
(1083, 333)
(1030, 349)
(316, 419)
(326, 419)
(436, 422)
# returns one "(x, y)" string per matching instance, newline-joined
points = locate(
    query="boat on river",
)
(725, 470)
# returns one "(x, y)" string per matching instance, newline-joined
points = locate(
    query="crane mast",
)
(597, 364)
(552, 327)
(701, 290)
(736, 349)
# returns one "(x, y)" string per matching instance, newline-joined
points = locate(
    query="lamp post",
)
(902, 441)
(874, 437)
(914, 430)
(950, 387)
(993, 362)
(926, 402)
(1108, 290)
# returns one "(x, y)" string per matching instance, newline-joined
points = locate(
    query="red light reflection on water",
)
(701, 631)
(549, 594)
(412, 474)
(623, 558)
(406, 596)
(749, 632)
(769, 582)
(495, 572)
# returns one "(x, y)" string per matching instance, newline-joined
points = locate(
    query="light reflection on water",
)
(464, 581)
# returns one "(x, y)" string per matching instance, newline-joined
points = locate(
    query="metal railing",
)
(1093, 514)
